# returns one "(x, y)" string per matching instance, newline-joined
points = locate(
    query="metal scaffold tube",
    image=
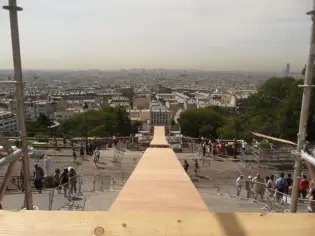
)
(13, 9)
(307, 91)
(307, 157)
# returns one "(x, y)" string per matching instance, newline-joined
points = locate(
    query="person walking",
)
(57, 179)
(73, 181)
(239, 185)
(74, 155)
(97, 155)
(38, 177)
(234, 148)
(64, 181)
(196, 167)
(186, 166)
(304, 186)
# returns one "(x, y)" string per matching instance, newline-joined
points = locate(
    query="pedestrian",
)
(234, 148)
(22, 180)
(289, 183)
(311, 200)
(258, 186)
(248, 187)
(64, 181)
(186, 166)
(196, 167)
(38, 177)
(74, 154)
(270, 185)
(73, 181)
(239, 185)
(57, 179)
(97, 155)
(281, 185)
(304, 186)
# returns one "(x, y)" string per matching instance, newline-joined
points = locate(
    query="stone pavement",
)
(219, 172)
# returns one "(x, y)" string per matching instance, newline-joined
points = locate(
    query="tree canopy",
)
(200, 122)
(274, 110)
(100, 123)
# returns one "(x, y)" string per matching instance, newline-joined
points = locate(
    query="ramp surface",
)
(159, 139)
(159, 184)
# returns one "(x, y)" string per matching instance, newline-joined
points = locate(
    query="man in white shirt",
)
(239, 185)
(97, 155)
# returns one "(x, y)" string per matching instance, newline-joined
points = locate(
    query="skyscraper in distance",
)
(287, 71)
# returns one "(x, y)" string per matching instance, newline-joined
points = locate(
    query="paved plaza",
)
(99, 185)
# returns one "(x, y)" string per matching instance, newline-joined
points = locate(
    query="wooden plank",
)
(159, 184)
(39, 223)
(159, 139)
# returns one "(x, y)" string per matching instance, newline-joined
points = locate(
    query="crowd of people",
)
(66, 180)
(280, 189)
(219, 147)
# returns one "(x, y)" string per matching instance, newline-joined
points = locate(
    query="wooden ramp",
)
(159, 184)
(159, 139)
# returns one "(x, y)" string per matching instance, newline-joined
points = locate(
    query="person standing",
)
(239, 185)
(97, 155)
(234, 148)
(186, 166)
(304, 186)
(248, 187)
(64, 181)
(57, 179)
(73, 181)
(281, 185)
(38, 178)
(74, 155)
(196, 167)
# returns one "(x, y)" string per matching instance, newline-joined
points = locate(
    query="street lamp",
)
(85, 107)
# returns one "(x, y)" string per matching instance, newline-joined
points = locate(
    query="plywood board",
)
(159, 139)
(39, 223)
(159, 184)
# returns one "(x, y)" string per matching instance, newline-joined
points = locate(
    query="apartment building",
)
(67, 114)
(160, 115)
(119, 101)
(8, 121)
(142, 101)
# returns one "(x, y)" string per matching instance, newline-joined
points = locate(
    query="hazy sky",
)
(253, 35)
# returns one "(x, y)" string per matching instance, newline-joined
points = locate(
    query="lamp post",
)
(85, 107)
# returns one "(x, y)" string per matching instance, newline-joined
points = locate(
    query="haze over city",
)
(243, 35)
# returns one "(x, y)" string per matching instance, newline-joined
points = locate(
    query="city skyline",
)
(206, 35)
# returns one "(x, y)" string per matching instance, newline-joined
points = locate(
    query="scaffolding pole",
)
(13, 9)
(307, 91)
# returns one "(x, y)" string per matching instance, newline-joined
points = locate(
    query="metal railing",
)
(271, 199)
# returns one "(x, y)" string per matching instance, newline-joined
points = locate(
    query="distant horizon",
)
(151, 69)
(242, 35)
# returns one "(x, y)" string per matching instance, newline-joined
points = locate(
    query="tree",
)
(105, 122)
(200, 122)
(39, 127)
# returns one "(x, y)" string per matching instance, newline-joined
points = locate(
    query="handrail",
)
(11, 157)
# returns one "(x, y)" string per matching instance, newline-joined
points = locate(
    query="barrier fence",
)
(270, 199)
(54, 199)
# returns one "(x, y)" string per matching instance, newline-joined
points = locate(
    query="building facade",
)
(8, 121)
(159, 115)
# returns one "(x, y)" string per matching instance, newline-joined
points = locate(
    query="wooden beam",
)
(159, 184)
(159, 139)
(39, 223)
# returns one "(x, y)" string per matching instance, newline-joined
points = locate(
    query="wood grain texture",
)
(159, 184)
(159, 139)
(39, 223)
